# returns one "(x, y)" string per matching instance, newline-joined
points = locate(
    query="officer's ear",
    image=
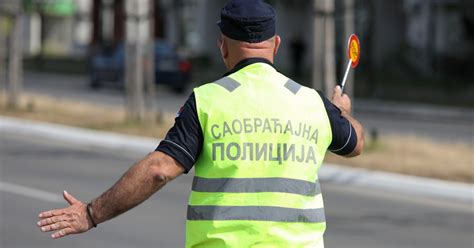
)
(222, 44)
(277, 41)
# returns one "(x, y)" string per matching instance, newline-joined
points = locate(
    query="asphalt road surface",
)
(434, 127)
(34, 172)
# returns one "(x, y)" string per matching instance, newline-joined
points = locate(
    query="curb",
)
(413, 185)
(329, 172)
(414, 110)
(75, 135)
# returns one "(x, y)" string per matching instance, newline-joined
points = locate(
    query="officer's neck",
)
(232, 61)
(246, 62)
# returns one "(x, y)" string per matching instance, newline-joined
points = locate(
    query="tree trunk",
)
(3, 49)
(134, 63)
(318, 43)
(324, 67)
(150, 91)
(15, 63)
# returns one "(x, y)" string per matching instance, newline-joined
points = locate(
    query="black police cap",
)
(248, 20)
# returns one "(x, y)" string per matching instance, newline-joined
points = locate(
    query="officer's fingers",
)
(345, 97)
(62, 233)
(49, 221)
(55, 226)
(69, 198)
(346, 103)
(336, 93)
(337, 90)
(51, 213)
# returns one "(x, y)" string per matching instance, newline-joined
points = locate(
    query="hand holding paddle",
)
(353, 50)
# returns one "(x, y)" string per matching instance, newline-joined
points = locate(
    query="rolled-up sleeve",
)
(344, 137)
(183, 142)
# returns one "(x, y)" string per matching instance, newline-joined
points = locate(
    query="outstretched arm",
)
(135, 186)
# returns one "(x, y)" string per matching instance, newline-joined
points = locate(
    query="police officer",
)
(257, 140)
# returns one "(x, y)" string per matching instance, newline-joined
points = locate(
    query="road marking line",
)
(29, 192)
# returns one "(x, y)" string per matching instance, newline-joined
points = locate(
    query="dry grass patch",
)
(416, 156)
(83, 114)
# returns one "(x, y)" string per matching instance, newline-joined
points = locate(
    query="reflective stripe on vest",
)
(256, 180)
(255, 213)
(255, 185)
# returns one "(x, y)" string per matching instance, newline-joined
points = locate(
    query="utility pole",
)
(348, 30)
(324, 65)
(15, 65)
(150, 86)
(3, 49)
(136, 40)
(107, 22)
(179, 19)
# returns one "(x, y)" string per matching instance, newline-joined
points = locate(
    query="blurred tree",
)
(371, 77)
(134, 59)
(149, 71)
(3, 49)
(324, 66)
(139, 61)
(15, 66)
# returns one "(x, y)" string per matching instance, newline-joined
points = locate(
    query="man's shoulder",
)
(225, 83)
(301, 86)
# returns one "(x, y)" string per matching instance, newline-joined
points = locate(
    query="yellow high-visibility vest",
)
(256, 180)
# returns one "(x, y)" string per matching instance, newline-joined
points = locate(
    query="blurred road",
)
(400, 119)
(31, 170)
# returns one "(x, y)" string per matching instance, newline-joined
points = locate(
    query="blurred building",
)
(425, 36)
(191, 25)
(50, 27)
(439, 33)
